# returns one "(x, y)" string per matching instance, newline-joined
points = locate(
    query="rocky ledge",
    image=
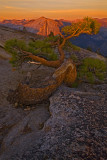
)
(75, 130)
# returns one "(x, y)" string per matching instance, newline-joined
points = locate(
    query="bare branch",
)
(61, 35)
(37, 63)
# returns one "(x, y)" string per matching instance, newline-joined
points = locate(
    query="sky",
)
(56, 9)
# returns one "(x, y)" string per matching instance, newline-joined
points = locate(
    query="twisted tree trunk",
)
(27, 96)
(54, 64)
(65, 73)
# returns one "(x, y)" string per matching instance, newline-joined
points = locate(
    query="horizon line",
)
(50, 18)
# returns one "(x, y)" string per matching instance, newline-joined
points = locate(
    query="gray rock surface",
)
(75, 130)
(72, 126)
(19, 126)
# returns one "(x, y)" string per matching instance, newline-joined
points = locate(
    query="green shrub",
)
(39, 44)
(68, 46)
(89, 49)
(51, 39)
(76, 48)
(42, 48)
(74, 58)
(14, 47)
(92, 70)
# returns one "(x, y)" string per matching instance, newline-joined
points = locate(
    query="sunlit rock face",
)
(44, 26)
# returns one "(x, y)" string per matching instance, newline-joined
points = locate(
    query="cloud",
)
(12, 7)
(56, 4)
(8, 7)
(53, 8)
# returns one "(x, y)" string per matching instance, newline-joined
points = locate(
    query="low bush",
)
(76, 48)
(40, 48)
(74, 58)
(92, 70)
(14, 47)
(69, 46)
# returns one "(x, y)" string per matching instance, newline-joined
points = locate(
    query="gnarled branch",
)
(27, 96)
(54, 64)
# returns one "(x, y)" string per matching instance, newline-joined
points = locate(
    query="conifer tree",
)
(65, 71)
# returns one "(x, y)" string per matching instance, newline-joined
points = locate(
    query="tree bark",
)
(27, 96)
(54, 64)
(65, 72)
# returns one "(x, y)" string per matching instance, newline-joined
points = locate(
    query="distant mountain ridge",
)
(44, 26)
(96, 43)
(103, 21)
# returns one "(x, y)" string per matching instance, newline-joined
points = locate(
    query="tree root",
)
(27, 96)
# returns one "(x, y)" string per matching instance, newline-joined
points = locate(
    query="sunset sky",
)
(57, 9)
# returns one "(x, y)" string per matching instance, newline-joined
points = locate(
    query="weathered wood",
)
(28, 96)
